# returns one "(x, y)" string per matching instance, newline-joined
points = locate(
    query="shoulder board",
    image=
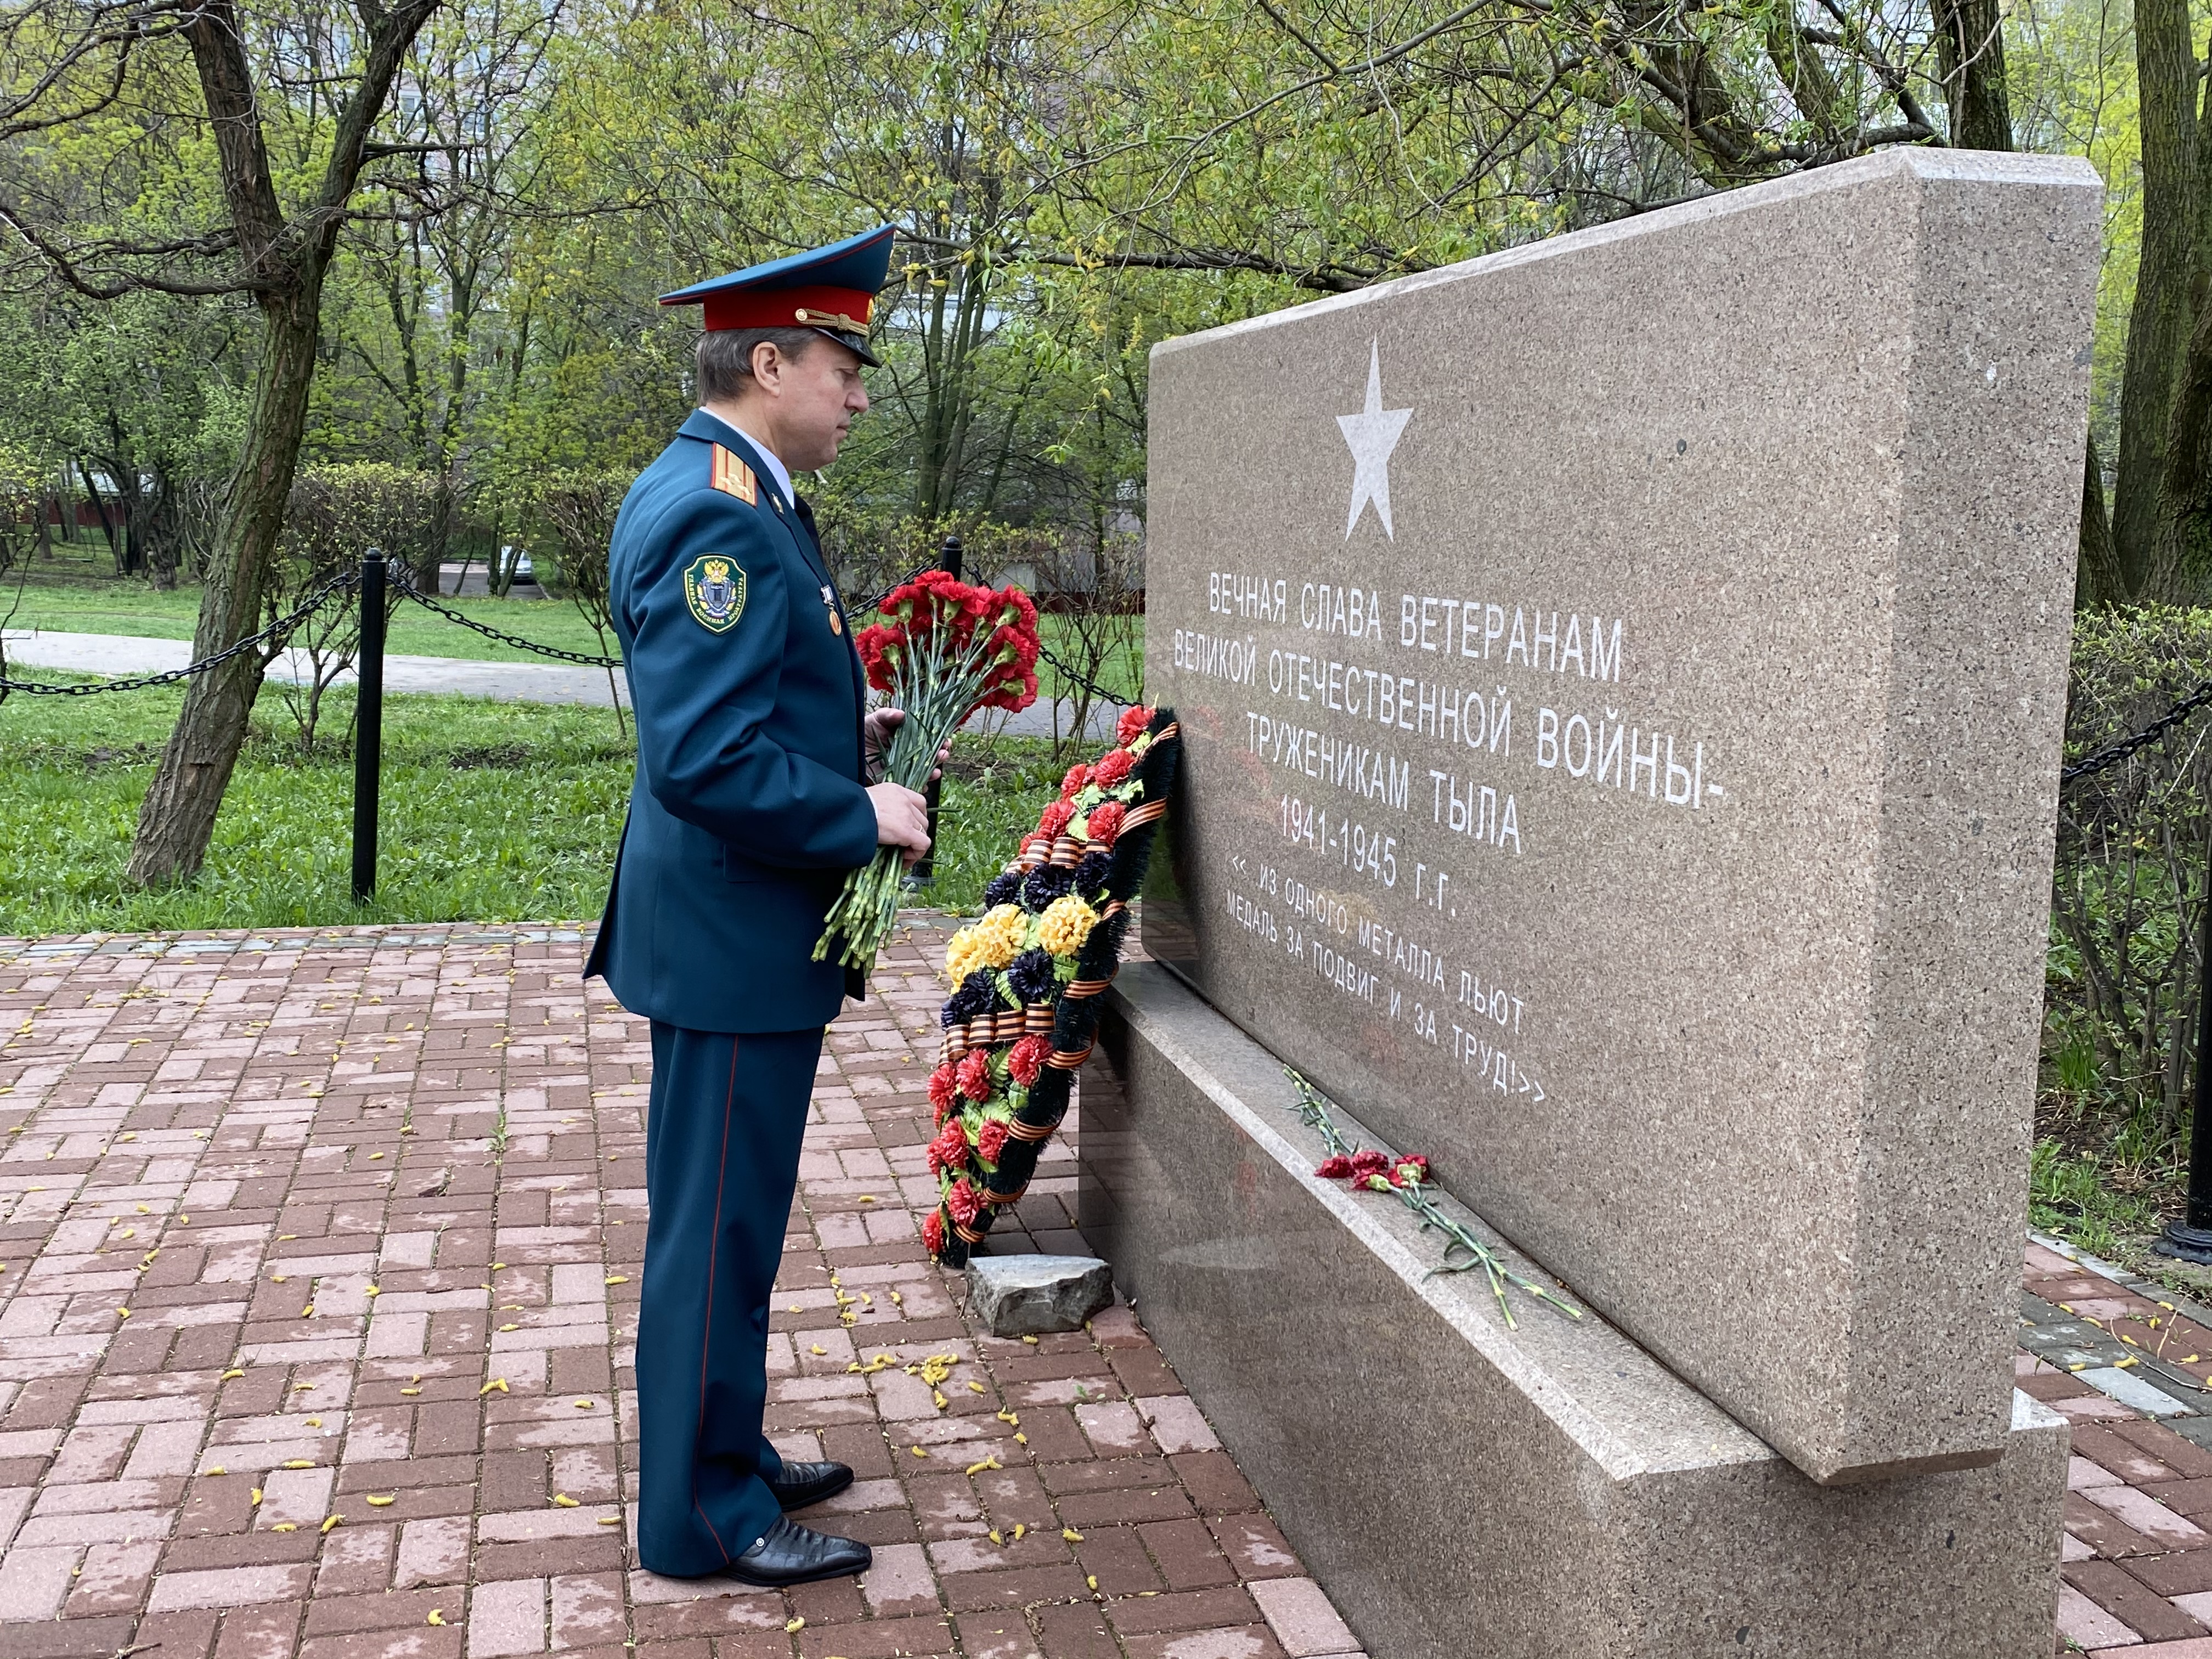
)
(733, 477)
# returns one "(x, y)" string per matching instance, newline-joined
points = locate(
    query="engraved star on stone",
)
(1372, 435)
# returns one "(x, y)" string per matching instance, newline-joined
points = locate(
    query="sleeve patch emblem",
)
(714, 590)
(733, 477)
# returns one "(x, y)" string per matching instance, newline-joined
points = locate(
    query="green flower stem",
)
(1312, 1108)
(937, 692)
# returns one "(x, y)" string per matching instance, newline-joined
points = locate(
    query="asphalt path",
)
(115, 655)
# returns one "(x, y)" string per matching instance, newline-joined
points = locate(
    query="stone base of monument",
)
(1463, 1487)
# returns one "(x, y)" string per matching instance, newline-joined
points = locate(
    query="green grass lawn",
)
(491, 812)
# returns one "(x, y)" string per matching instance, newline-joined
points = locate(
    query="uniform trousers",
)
(725, 1117)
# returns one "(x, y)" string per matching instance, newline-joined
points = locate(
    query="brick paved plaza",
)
(321, 1258)
(321, 1270)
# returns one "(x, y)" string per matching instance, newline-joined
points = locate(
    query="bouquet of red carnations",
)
(944, 649)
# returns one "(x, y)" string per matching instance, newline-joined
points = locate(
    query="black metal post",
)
(948, 561)
(2190, 1239)
(368, 725)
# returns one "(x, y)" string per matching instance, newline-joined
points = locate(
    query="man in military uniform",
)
(751, 803)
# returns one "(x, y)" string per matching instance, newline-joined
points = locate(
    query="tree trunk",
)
(2182, 559)
(2158, 327)
(1970, 57)
(178, 816)
(2097, 579)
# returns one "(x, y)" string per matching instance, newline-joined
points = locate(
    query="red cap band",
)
(782, 307)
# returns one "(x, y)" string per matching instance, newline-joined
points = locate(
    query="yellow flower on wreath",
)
(1067, 922)
(961, 957)
(999, 935)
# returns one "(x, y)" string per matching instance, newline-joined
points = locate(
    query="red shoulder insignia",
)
(733, 477)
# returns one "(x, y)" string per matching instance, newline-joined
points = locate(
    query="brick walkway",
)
(320, 1272)
(2127, 1363)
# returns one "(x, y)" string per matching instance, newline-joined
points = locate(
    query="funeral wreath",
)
(1027, 974)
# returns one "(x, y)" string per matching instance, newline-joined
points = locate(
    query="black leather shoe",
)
(789, 1553)
(801, 1483)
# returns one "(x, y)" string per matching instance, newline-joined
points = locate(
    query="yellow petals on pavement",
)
(1092, 1580)
(299, 1463)
(617, 1279)
(611, 1520)
(499, 1382)
(256, 1496)
(385, 1501)
(285, 1526)
(233, 1371)
(217, 1469)
(123, 1313)
(329, 1521)
(437, 1617)
(918, 1451)
(993, 1536)
(1020, 1527)
(1021, 1440)
(411, 1391)
(314, 1422)
(793, 1626)
(988, 1463)
(866, 1198)
(1071, 1534)
(562, 1501)
(583, 1405)
(510, 1325)
(817, 1347)
(973, 1387)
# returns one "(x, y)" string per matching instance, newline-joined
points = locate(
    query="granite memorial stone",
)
(1622, 681)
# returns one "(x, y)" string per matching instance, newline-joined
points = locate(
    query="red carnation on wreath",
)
(950, 1150)
(963, 1202)
(932, 1233)
(1026, 1058)
(1055, 818)
(991, 1141)
(942, 1085)
(1104, 822)
(1132, 725)
(975, 1075)
(1078, 775)
(1112, 765)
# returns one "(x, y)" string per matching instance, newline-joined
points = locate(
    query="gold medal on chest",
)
(830, 604)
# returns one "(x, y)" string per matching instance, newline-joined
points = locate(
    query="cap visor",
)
(856, 343)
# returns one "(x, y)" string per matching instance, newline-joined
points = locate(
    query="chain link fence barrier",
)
(275, 633)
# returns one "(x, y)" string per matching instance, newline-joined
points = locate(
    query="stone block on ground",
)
(1036, 1295)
